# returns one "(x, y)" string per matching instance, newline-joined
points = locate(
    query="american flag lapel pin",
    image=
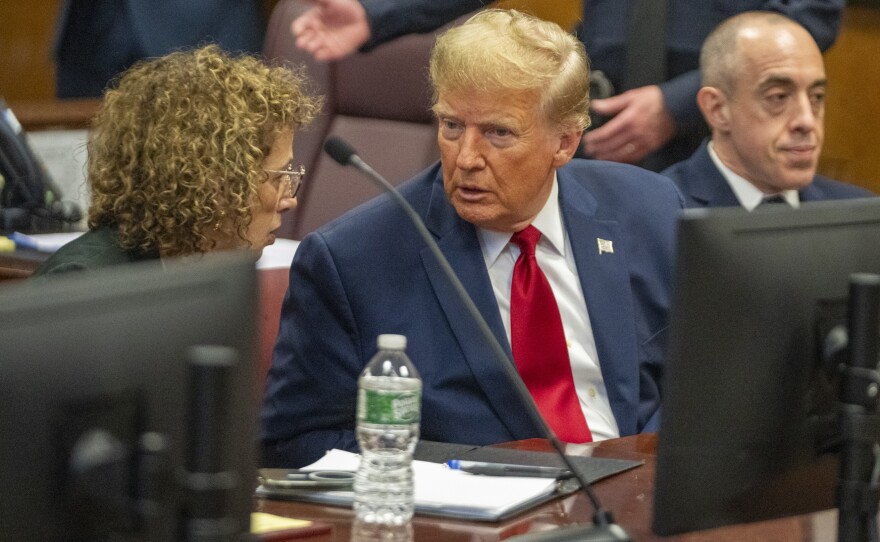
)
(605, 246)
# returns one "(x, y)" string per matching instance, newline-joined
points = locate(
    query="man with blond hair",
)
(569, 262)
(763, 95)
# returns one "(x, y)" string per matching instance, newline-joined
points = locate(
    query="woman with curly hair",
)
(191, 152)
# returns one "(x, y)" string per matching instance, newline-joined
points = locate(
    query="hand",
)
(640, 124)
(332, 29)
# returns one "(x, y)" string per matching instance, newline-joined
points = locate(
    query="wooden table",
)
(37, 115)
(628, 495)
(20, 264)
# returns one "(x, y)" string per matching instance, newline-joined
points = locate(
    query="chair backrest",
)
(378, 101)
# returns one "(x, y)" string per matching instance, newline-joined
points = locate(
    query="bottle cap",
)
(391, 342)
(7, 244)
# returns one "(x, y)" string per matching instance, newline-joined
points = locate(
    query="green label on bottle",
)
(393, 407)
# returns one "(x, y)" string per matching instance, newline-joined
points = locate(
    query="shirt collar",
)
(748, 195)
(548, 221)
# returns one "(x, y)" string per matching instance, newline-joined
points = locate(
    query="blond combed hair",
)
(178, 146)
(507, 50)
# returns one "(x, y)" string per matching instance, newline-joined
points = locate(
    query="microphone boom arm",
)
(602, 518)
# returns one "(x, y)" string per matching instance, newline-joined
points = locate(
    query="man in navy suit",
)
(763, 96)
(97, 39)
(512, 101)
(656, 123)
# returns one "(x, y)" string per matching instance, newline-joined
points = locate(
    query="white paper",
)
(439, 489)
(63, 152)
(50, 242)
(278, 254)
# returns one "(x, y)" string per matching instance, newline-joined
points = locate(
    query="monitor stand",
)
(117, 475)
(859, 422)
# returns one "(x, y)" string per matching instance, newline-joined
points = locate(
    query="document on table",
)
(441, 491)
(45, 242)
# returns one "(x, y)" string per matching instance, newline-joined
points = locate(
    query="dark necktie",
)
(772, 202)
(539, 347)
(646, 44)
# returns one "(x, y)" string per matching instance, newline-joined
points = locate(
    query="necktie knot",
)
(527, 239)
(775, 199)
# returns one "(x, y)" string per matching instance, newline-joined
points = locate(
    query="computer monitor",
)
(749, 405)
(104, 432)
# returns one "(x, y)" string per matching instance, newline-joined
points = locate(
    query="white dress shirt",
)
(556, 260)
(748, 194)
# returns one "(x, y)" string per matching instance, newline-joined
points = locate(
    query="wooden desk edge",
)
(55, 114)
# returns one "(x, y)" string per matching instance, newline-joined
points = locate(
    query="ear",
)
(714, 105)
(568, 144)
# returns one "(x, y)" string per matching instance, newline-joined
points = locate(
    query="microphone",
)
(604, 528)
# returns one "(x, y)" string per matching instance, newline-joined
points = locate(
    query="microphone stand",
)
(859, 488)
(604, 528)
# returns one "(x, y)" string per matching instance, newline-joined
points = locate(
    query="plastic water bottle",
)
(388, 415)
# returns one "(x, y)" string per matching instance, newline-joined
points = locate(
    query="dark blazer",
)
(369, 272)
(703, 185)
(96, 39)
(92, 250)
(605, 24)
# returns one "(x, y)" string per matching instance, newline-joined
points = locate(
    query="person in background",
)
(97, 39)
(507, 205)
(763, 95)
(193, 152)
(653, 125)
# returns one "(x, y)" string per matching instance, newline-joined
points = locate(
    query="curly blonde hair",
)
(178, 146)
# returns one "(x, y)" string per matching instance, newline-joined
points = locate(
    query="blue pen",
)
(23, 241)
(505, 469)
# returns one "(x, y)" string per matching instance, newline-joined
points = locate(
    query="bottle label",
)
(389, 407)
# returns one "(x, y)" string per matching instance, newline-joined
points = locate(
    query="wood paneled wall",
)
(27, 71)
(564, 12)
(852, 138)
(852, 122)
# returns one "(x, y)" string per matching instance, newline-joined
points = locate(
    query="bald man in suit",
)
(763, 96)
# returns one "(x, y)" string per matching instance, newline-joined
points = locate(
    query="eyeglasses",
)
(292, 178)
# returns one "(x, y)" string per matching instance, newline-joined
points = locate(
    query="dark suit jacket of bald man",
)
(703, 185)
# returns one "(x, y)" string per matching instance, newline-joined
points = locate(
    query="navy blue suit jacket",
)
(369, 272)
(703, 185)
(605, 24)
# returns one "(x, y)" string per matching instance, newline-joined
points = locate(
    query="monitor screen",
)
(105, 433)
(748, 427)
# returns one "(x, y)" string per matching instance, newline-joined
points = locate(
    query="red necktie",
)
(539, 347)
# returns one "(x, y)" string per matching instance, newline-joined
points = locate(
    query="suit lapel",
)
(708, 187)
(604, 280)
(811, 192)
(458, 242)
